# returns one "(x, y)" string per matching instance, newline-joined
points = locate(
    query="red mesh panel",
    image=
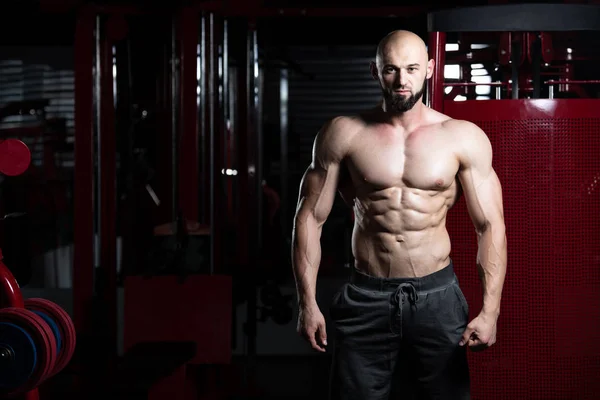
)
(547, 155)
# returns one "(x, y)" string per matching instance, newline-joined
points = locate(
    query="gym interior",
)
(151, 156)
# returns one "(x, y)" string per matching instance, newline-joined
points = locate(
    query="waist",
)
(431, 282)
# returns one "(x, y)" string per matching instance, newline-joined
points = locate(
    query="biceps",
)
(483, 196)
(317, 191)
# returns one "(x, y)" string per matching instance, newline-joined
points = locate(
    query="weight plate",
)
(53, 326)
(15, 157)
(65, 326)
(19, 356)
(44, 342)
(50, 342)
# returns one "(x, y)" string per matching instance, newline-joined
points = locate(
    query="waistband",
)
(431, 282)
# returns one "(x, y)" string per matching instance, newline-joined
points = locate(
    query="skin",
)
(401, 169)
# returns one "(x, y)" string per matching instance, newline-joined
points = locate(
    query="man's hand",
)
(480, 333)
(311, 325)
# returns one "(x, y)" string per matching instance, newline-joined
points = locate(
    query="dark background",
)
(325, 47)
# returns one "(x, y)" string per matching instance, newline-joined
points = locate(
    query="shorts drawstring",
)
(399, 296)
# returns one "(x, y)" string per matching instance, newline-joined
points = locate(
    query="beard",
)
(398, 103)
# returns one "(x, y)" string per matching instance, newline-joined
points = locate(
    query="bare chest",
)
(423, 160)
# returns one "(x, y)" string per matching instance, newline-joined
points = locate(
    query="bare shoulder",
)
(341, 128)
(460, 132)
(467, 134)
(472, 143)
(336, 135)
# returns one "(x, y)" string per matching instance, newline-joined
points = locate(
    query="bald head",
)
(402, 67)
(401, 42)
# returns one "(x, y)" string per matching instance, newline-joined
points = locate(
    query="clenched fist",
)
(480, 333)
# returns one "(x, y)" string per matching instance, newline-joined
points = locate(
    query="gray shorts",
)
(398, 338)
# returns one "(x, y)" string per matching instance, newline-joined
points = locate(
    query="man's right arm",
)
(317, 194)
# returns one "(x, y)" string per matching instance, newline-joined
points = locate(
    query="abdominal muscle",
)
(401, 233)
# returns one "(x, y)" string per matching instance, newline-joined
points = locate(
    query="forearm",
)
(306, 258)
(491, 263)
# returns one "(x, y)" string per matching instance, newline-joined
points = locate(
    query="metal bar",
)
(437, 52)
(487, 55)
(189, 163)
(204, 179)
(115, 76)
(175, 208)
(253, 187)
(83, 253)
(258, 147)
(283, 134)
(97, 126)
(582, 82)
(226, 132)
(222, 143)
(243, 138)
(218, 143)
(107, 271)
(225, 68)
(211, 133)
(515, 58)
(233, 140)
(516, 18)
(460, 84)
(535, 54)
(216, 133)
(550, 92)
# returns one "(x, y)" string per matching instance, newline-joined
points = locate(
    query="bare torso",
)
(401, 185)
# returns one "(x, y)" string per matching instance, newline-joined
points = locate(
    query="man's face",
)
(402, 72)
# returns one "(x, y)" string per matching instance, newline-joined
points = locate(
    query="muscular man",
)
(401, 322)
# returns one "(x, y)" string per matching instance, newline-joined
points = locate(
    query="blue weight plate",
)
(53, 326)
(15, 371)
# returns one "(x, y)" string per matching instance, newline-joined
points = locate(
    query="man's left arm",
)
(483, 196)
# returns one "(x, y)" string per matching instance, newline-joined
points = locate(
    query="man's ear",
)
(374, 72)
(430, 68)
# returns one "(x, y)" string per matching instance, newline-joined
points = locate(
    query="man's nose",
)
(401, 79)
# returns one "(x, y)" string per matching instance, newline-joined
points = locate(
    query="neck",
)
(407, 119)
